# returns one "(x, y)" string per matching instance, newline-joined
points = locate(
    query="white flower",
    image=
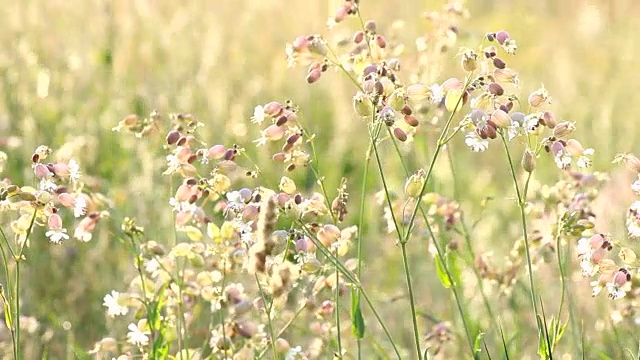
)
(562, 159)
(475, 142)
(184, 206)
(80, 206)
(614, 291)
(57, 235)
(47, 184)
(136, 336)
(111, 301)
(293, 353)
(583, 161)
(258, 115)
(436, 94)
(74, 171)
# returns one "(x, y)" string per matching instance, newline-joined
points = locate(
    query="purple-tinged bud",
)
(381, 41)
(549, 119)
(273, 108)
(502, 36)
(499, 63)
(172, 137)
(230, 154)
(371, 26)
(293, 138)
(496, 89)
(41, 171)
(406, 110)
(216, 152)
(491, 36)
(400, 134)
(341, 14)
(518, 117)
(358, 37)
(300, 43)
(313, 76)
(528, 161)
(282, 119)
(563, 129)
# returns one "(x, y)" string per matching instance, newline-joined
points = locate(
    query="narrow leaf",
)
(442, 275)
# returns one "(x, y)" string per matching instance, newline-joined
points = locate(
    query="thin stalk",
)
(521, 205)
(405, 260)
(467, 238)
(359, 255)
(339, 335)
(284, 328)
(5, 264)
(267, 309)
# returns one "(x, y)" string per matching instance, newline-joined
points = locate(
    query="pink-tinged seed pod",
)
(192, 158)
(499, 63)
(502, 36)
(369, 69)
(381, 41)
(400, 134)
(313, 76)
(61, 170)
(411, 120)
(41, 171)
(172, 137)
(183, 193)
(358, 37)
(54, 222)
(273, 132)
(302, 245)
(281, 199)
(300, 43)
(250, 213)
(316, 65)
(574, 147)
(406, 110)
(66, 200)
(183, 154)
(341, 14)
(216, 152)
(280, 157)
(549, 119)
(596, 241)
(273, 108)
(287, 148)
(496, 89)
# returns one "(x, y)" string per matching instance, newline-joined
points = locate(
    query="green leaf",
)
(442, 274)
(477, 345)
(7, 309)
(357, 320)
(453, 265)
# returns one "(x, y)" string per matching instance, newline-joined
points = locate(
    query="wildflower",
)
(475, 142)
(633, 220)
(84, 230)
(56, 232)
(74, 171)
(137, 336)
(112, 303)
(258, 115)
(616, 287)
(293, 353)
(80, 206)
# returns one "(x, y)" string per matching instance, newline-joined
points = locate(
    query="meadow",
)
(248, 180)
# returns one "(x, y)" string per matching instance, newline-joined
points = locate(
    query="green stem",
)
(521, 204)
(267, 309)
(359, 255)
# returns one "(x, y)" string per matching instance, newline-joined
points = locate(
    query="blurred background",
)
(70, 70)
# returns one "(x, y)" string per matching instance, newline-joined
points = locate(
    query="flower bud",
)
(563, 129)
(499, 63)
(411, 120)
(414, 184)
(400, 134)
(358, 37)
(362, 105)
(538, 97)
(381, 41)
(287, 185)
(41, 171)
(506, 75)
(371, 26)
(574, 148)
(502, 36)
(501, 119)
(313, 75)
(469, 60)
(549, 119)
(528, 161)
(496, 89)
(172, 137)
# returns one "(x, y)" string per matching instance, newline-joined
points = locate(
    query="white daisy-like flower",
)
(74, 171)
(137, 336)
(583, 161)
(615, 292)
(112, 303)
(258, 115)
(80, 206)
(475, 142)
(57, 235)
(48, 185)
(562, 159)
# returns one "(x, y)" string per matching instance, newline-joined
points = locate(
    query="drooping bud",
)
(501, 119)
(414, 184)
(563, 129)
(528, 161)
(400, 134)
(496, 89)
